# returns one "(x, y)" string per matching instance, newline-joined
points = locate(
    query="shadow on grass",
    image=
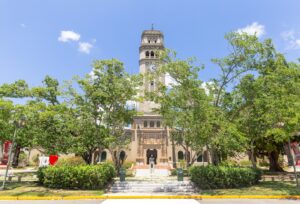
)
(288, 188)
(263, 188)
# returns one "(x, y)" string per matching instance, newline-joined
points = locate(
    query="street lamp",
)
(18, 124)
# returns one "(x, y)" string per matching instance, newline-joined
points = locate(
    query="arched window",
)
(147, 54)
(103, 156)
(151, 123)
(180, 155)
(145, 124)
(122, 155)
(152, 54)
(200, 158)
(158, 124)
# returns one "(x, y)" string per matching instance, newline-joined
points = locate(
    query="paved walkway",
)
(156, 201)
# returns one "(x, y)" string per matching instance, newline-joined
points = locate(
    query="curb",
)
(105, 197)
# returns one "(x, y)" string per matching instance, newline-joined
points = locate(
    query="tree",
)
(183, 104)
(269, 108)
(101, 109)
(247, 53)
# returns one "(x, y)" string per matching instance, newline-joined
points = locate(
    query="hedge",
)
(213, 177)
(77, 177)
(70, 161)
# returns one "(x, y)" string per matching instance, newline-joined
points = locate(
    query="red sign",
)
(6, 145)
(53, 159)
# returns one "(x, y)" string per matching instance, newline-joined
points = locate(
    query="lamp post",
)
(18, 124)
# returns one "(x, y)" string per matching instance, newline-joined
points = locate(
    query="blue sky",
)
(31, 45)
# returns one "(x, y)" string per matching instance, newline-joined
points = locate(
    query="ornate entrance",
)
(151, 152)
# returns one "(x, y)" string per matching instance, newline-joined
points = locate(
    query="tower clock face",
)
(152, 67)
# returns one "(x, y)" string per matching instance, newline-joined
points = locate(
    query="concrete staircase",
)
(151, 185)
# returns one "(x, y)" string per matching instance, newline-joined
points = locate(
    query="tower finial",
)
(152, 26)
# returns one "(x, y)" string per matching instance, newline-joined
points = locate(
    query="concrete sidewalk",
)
(156, 201)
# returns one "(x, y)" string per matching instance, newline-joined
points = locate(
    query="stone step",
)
(152, 187)
(154, 191)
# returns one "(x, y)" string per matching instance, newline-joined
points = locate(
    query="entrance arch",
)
(151, 152)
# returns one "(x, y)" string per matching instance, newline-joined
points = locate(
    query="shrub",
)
(213, 177)
(246, 163)
(70, 161)
(263, 163)
(229, 163)
(40, 174)
(77, 177)
(127, 165)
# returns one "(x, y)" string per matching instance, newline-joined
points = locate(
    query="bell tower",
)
(152, 41)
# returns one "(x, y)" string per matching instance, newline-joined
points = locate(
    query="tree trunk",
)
(1, 150)
(173, 154)
(215, 160)
(187, 157)
(288, 154)
(252, 155)
(293, 164)
(274, 164)
(87, 156)
(15, 161)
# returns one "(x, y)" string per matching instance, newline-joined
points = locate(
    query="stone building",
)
(149, 136)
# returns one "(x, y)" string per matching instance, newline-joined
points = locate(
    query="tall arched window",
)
(103, 156)
(151, 123)
(145, 124)
(152, 54)
(180, 155)
(147, 54)
(200, 158)
(158, 124)
(122, 155)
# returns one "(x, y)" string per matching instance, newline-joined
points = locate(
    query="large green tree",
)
(269, 108)
(101, 109)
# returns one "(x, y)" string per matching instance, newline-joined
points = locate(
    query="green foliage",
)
(127, 165)
(77, 177)
(70, 161)
(229, 163)
(41, 175)
(263, 163)
(245, 163)
(214, 177)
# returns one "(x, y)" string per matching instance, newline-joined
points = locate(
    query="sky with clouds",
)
(62, 38)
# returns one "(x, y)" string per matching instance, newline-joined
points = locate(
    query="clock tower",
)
(152, 41)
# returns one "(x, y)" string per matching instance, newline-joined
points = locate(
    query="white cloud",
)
(291, 39)
(253, 29)
(85, 47)
(23, 25)
(68, 35)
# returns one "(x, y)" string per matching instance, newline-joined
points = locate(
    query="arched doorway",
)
(122, 156)
(180, 155)
(151, 152)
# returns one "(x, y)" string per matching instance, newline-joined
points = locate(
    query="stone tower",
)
(152, 41)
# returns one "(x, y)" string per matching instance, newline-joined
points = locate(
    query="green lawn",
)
(32, 189)
(263, 188)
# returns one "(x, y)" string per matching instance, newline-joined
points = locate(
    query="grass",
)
(33, 189)
(263, 188)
